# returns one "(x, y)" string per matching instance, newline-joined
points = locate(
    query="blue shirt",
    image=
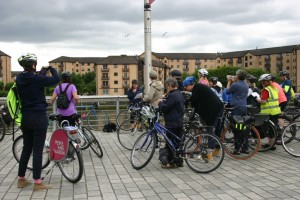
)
(239, 91)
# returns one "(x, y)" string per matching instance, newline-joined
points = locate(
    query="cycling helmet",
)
(219, 84)
(265, 77)
(283, 73)
(214, 79)
(251, 77)
(146, 112)
(203, 72)
(27, 60)
(65, 74)
(176, 73)
(188, 81)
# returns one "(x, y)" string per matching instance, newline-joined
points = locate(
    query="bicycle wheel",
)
(93, 142)
(143, 150)
(196, 151)
(286, 120)
(83, 137)
(2, 129)
(268, 136)
(17, 151)
(291, 139)
(292, 111)
(72, 166)
(253, 139)
(123, 115)
(128, 133)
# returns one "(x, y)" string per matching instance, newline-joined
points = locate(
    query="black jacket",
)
(131, 95)
(172, 109)
(206, 103)
(31, 90)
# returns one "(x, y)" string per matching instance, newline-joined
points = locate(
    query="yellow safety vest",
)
(272, 105)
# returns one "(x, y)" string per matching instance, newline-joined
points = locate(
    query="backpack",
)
(6, 116)
(63, 101)
(14, 104)
(110, 127)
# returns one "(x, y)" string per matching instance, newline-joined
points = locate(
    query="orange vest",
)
(281, 95)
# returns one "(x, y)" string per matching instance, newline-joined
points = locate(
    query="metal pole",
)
(148, 52)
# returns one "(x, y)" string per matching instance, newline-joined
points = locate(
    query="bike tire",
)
(17, 151)
(127, 136)
(286, 121)
(291, 139)
(93, 142)
(2, 129)
(196, 150)
(84, 142)
(123, 116)
(270, 136)
(143, 150)
(72, 166)
(228, 142)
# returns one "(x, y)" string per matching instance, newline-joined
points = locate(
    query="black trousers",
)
(34, 128)
(178, 133)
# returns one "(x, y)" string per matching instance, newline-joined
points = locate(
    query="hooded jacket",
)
(155, 92)
(31, 90)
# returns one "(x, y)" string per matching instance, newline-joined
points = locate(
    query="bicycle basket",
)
(241, 124)
(260, 119)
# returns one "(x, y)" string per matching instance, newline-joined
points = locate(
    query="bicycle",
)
(228, 139)
(91, 116)
(193, 147)
(62, 149)
(291, 139)
(2, 123)
(132, 126)
(86, 136)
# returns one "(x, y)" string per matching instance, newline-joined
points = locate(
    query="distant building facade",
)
(5, 67)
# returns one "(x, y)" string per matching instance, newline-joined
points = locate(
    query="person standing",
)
(177, 74)
(34, 124)
(202, 74)
(286, 84)
(133, 91)
(72, 97)
(238, 88)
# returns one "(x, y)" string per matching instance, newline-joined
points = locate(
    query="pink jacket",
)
(281, 95)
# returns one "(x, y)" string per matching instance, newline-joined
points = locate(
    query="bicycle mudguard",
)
(59, 145)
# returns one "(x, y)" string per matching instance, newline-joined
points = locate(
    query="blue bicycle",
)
(198, 146)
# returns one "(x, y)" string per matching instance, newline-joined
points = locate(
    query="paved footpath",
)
(270, 175)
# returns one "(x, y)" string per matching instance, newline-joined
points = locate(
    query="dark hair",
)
(134, 81)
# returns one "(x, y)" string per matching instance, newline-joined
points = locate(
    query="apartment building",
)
(5, 67)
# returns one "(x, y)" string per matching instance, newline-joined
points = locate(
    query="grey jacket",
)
(155, 92)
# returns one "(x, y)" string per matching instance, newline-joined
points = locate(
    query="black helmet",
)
(176, 73)
(27, 60)
(65, 74)
(251, 78)
(283, 73)
(134, 81)
(213, 79)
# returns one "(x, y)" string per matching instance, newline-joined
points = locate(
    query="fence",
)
(108, 104)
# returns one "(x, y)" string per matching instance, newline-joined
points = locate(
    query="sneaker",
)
(168, 166)
(23, 183)
(209, 156)
(41, 186)
(216, 152)
(236, 152)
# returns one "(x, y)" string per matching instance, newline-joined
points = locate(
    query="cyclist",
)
(30, 86)
(202, 74)
(251, 82)
(177, 74)
(207, 105)
(172, 109)
(239, 90)
(216, 86)
(269, 100)
(133, 91)
(72, 96)
(286, 84)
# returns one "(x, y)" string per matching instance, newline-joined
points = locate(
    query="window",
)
(260, 63)
(76, 65)
(219, 61)
(115, 65)
(115, 82)
(89, 69)
(250, 57)
(116, 90)
(105, 83)
(125, 67)
(105, 67)
(105, 91)
(104, 75)
(177, 66)
(125, 74)
(250, 63)
(288, 61)
(178, 60)
(77, 70)
(172, 66)
(165, 61)
(246, 58)
(246, 64)
(115, 73)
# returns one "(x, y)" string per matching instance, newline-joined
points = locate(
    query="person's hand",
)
(134, 90)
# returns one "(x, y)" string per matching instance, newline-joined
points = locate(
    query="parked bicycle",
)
(62, 149)
(93, 115)
(193, 147)
(291, 139)
(2, 123)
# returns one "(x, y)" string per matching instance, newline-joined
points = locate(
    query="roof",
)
(3, 54)
(77, 59)
(123, 59)
(186, 56)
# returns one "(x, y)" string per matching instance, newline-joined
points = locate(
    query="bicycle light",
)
(73, 132)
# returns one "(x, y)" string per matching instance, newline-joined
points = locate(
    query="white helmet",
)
(265, 77)
(219, 84)
(203, 72)
(146, 112)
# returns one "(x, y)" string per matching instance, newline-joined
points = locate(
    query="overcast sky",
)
(99, 28)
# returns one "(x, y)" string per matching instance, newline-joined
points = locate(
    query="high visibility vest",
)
(272, 105)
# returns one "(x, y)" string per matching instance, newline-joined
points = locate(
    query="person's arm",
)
(264, 96)
(150, 95)
(53, 98)
(75, 97)
(47, 81)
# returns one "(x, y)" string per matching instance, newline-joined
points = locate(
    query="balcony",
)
(197, 62)
(105, 69)
(105, 86)
(185, 62)
(267, 58)
(185, 69)
(125, 77)
(125, 69)
(279, 63)
(125, 85)
(279, 57)
(239, 60)
(105, 78)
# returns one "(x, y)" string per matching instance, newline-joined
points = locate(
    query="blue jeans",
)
(34, 129)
